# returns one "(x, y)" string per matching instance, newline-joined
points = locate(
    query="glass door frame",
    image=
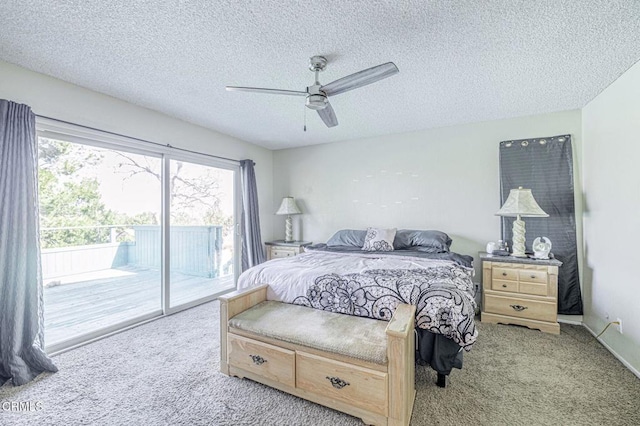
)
(54, 129)
(166, 224)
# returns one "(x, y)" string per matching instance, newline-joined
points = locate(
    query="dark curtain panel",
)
(252, 250)
(22, 355)
(546, 166)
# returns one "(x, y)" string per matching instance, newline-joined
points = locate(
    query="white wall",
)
(611, 132)
(55, 98)
(445, 179)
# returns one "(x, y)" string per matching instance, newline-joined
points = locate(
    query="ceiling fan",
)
(317, 94)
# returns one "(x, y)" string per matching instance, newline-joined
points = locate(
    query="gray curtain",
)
(22, 355)
(546, 166)
(252, 250)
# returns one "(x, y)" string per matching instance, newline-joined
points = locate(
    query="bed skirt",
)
(441, 353)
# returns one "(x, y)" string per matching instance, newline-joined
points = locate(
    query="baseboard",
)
(614, 353)
(568, 321)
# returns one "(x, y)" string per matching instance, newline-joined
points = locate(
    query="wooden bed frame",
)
(378, 394)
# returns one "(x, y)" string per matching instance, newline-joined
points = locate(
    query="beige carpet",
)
(166, 373)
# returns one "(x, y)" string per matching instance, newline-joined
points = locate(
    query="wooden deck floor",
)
(94, 301)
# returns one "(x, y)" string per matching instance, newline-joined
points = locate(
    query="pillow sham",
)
(347, 237)
(426, 241)
(378, 239)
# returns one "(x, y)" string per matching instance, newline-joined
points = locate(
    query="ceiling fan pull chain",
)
(305, 118)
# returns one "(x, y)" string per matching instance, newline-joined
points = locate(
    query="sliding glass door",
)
(202, 243)
(129, 232)
(100, 268)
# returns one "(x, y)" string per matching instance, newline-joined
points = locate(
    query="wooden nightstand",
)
(520, 291)
(277, 249)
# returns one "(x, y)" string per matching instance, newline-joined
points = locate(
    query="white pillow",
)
(378, 239)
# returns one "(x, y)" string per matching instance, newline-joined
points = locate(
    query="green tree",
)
(71, 203)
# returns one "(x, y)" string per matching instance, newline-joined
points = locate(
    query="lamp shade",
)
(288, 207)
(521, 203)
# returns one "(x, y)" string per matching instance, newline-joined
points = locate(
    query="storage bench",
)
(361, 366)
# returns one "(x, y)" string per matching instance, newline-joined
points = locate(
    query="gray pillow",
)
(426, 241)
(347, 237)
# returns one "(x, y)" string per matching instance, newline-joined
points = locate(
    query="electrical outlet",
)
(619, 325)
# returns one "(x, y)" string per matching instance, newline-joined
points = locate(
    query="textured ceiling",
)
(459, 61)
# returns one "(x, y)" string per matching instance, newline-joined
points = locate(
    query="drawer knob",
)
(337, 382)
(504, 285)
(533, 276)
(518, 308)
(257, 359)
(504, 274)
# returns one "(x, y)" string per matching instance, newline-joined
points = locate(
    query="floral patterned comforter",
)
(372, 285)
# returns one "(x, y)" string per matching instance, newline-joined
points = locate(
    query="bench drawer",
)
(521, 308)
(354, 385)
(268, 361)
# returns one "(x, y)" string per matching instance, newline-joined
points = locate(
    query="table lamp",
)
(288, 207)
(520, 203)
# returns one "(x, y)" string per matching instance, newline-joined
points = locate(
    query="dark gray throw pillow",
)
(425, 241)
(347, 237)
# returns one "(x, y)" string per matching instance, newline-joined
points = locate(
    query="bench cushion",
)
(356, 337)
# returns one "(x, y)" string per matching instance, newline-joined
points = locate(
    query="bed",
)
(368, 273)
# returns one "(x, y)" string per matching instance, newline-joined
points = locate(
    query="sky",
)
(139, 193)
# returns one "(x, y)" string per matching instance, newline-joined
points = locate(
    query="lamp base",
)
(288, 230)
(518, 238)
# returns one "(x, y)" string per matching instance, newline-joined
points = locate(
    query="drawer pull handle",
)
(504, 274)
(257, 359)
(533, 276)
(504, 285)
(518, 308)
(337, 382)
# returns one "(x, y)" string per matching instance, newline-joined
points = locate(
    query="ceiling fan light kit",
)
(317, 102)
(317, 95)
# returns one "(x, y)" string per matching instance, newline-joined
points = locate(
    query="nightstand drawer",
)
(520, 307)
(282, 252)
(533, 276)
(281, 249)
(500, 285)
(534, 288)
(505, 274)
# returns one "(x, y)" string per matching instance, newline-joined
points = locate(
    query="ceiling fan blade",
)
(262, 90)
(359, 79)
(328, 115)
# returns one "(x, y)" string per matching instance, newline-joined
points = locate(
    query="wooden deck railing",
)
(195, 250)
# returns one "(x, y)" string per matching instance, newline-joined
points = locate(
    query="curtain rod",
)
(139, 139)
